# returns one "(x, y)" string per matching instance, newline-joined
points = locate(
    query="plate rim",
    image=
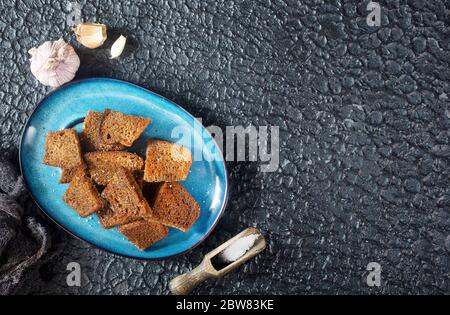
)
(190, 249)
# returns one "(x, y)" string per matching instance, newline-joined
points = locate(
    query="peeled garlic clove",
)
(90, 35)
(118, 46)
(54, 62)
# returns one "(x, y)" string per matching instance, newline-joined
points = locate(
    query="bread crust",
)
(174, 206)
(90, 135)
(63, 149)
(104, 164)
(166, 161)
(82, 195)
(118, 128)
(144, 233)
(126, 202)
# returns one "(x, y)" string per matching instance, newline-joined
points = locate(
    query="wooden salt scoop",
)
(186, 282)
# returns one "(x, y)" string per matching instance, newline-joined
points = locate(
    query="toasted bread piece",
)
(62, 149)
(118, 128)
(109, 219)
(82, 196)
(166, 162)
(68, 174)
(103, 165)
(144, 233)
(175, 207)
(125, 199)
(90, 136)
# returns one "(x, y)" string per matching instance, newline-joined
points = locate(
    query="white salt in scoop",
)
(238, 248)
(221, 260)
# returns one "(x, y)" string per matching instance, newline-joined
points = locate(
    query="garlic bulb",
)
(90, 35)
(54, 62)
(118, 46)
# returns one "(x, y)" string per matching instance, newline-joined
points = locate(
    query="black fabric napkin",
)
(23, 239)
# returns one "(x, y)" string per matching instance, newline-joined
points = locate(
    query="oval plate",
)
(67, 106)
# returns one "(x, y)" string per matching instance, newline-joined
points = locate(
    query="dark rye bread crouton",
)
(68, 173)
(82, 196)
(144, 233)
(166, 161)
(174, 206)
(125, 200)
(104, 164)
(62, 149)
(90, 136)
(118, 128)
(109, 219)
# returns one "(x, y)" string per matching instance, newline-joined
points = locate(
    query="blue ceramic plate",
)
(67, 106)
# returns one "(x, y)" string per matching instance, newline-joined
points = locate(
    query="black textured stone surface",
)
(364, 118)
